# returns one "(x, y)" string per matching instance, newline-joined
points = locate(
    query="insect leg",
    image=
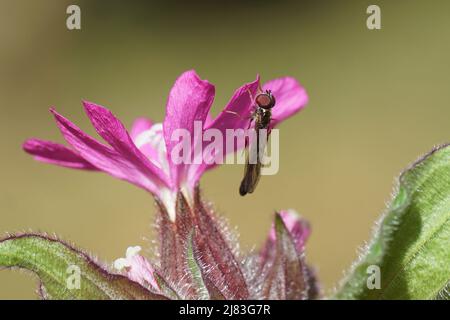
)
(234, 112)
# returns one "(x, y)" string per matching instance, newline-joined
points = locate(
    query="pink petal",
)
(105, 158)
(238, 111)
(290, 97)
(236, 115)
(140, 125)
(209, 119)
(113, 131)
(190, 100)
(298, 228)
(141, 271)
(55, 153)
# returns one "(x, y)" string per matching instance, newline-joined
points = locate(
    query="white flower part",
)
(132, 251)
(169, 198)
(187, 192)
(123, 263)
(154, 136)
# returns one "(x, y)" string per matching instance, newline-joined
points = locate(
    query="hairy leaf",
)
(444, 293)
(67, 273)
(411, 245)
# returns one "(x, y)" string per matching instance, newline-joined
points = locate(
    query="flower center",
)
(151, 143)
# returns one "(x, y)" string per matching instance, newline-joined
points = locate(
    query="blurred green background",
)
(378, 99)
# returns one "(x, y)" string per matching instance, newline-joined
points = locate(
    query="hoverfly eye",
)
(265, 101)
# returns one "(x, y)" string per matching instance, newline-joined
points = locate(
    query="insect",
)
(264, 102)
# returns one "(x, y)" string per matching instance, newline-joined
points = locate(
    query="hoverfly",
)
(262, 117)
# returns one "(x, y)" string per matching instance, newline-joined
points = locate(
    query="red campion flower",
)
(198, 258)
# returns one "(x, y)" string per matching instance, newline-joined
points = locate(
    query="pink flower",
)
(297, 227)
(137, 268)
(141, 155)
(197, 256)
(283, 272)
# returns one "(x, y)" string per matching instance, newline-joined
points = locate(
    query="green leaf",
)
(195, 270)
(411, 244)
(67, 273)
